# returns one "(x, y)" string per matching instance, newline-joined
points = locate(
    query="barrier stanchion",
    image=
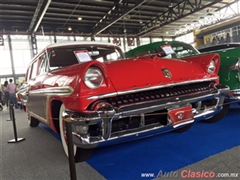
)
(12, 117)
(71, 160)
(10, 114)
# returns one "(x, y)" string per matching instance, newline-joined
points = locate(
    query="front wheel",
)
(220, 115)
(33, 122)
(79, 153)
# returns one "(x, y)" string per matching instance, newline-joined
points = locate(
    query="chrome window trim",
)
(61, 91)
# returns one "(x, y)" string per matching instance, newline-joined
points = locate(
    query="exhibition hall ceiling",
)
(136, 18)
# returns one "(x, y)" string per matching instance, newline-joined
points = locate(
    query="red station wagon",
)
(111, 99)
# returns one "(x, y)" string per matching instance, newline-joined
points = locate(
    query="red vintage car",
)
(111, 99)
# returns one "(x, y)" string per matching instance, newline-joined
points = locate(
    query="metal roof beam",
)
(37, 13)
(120, 9)
(174, 13)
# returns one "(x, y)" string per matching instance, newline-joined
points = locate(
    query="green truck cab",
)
(166, 49)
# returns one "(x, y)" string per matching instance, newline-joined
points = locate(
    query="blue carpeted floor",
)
(167, 152)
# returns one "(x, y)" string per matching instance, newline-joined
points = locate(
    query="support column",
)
(34, 44)
(124, 42)
(55, 39)
(138, 41)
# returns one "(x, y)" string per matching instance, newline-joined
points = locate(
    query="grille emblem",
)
(166, 73)
(180, 116)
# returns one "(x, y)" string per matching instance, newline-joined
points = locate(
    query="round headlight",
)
(211, 67)
(93, 78)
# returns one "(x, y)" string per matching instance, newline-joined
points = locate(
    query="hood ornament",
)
(166, 73)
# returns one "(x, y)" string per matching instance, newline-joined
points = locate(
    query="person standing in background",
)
(5, 93)
(11, 88)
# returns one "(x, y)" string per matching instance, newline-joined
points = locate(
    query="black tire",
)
(183, 129)
(33, 122)
(80, 154)
(218, 116)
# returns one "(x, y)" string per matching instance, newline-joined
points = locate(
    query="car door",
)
(37, 100)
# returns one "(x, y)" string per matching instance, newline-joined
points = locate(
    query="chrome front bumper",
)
(234, 95)
(106, 118)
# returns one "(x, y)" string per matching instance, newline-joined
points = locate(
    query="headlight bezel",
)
(211, 67)
(237, 65)
(93, 77)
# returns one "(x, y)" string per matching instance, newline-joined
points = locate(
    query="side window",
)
(184, 50)
(43, 64)
(34, 70)
(28, 73)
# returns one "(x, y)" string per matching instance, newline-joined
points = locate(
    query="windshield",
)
(177, 50)
(65, 56)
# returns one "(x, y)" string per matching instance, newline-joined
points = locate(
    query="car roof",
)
(79, 43)
(159, 43)
(74, 43)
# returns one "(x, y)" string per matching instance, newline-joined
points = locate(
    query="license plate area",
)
(181, 116)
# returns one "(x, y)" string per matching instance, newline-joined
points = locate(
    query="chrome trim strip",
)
(148, 88)
(65, 90)
(103, 96)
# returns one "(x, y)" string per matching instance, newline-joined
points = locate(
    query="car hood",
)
(144, 72)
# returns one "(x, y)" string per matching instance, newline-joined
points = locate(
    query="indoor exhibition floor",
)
(205, 149)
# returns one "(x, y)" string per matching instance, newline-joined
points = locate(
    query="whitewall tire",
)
(79, 153)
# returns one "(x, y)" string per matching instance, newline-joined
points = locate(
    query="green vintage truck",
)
(229, 72)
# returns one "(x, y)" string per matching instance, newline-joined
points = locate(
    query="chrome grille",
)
(159, 94)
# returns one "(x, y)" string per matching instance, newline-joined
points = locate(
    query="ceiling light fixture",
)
(69, 28)
(79, 18)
